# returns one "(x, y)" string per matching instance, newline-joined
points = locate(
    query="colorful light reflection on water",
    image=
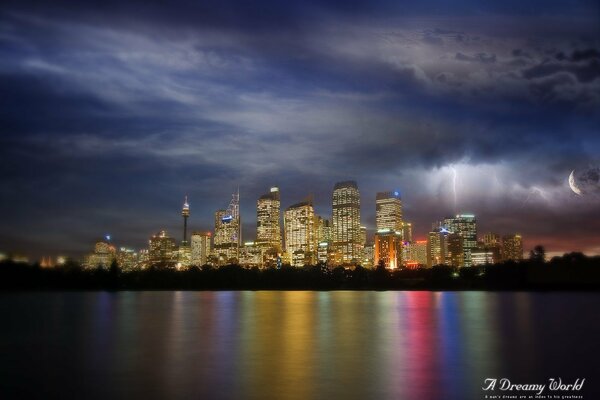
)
(291, 344)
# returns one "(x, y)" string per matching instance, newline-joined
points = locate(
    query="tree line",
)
(572, 271)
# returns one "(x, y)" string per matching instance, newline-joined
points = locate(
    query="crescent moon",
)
(573, 185)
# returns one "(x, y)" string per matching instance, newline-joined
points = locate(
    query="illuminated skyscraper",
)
(200, 248)
(185, 213)
(491, 243)
(251, 255)
(436, 248)
(268, 215)
(228, 232)
(512, 247)
(416, 254)
(466, 226)
(103, 255)
(388, 211)
(363, 236)
(162, 250)
(407, 231)
(300, 234)
(346, 221)
(323, 229)
(455, 254)
(388, 249)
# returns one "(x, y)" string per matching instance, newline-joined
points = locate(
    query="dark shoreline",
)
(572, 272)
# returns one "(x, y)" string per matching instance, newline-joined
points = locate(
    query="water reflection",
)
(285, 345)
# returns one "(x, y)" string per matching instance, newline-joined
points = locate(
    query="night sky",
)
(111, 112)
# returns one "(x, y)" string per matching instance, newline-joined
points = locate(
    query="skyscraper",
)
(200, 248)
(455, 254)
(407, 231)
(268, 215)
(300, 234)
(512, 247)
(323, 229)
(388, 211)
(162, 250)
(416, 254)
(436, 248)
(388, 248)
(228, 233)
(491, 243)
(346, 221)
(466, 226)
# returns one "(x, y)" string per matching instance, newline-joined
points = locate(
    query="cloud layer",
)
(111, 114)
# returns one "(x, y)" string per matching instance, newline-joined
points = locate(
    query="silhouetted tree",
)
(538, 254)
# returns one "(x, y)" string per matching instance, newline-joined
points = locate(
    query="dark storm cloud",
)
(480, 57)
(112, 111)
(585, 73)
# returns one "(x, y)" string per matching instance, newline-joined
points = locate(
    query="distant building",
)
(103, 256)
(436, 248)
(407, 231)
(482, 256)
(512, 247)
(388, 248)
(185, 213)
(268, 215)
(346, 221)
(466, 226)
(300, 234)
(490, 242)
(251, 255)
(162, 250)
(127, 259)
(368, 260)
(388, 211)
(416, 254)
(200, 248)
(455, 251)
(323, 229)
(228, 232)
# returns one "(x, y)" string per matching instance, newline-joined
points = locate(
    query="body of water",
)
(293, 344)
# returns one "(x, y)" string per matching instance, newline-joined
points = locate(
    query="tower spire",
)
(185, 213)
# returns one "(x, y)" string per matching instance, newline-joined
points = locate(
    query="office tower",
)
(491, 243)
(436, 248)
(415, 253)
(369, 255)
(407, 231)
(251, 255)
(185, 213)
(491, 239)
(388, 248)
(127, 259)
(200, 248)
(512, 247)
(228, 232)
(300, 234)
(388, 211)
(466, 226)
(323, 229)
(363, 236)
(482, 255)
(103, 255)
(162, 250)
(346, 221)
(455, 254)
(268, 215)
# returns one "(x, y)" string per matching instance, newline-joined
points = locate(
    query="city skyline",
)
(110, 118)
(251, 228)
(309, 238)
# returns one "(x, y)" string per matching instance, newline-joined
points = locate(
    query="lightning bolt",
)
(454, 176)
